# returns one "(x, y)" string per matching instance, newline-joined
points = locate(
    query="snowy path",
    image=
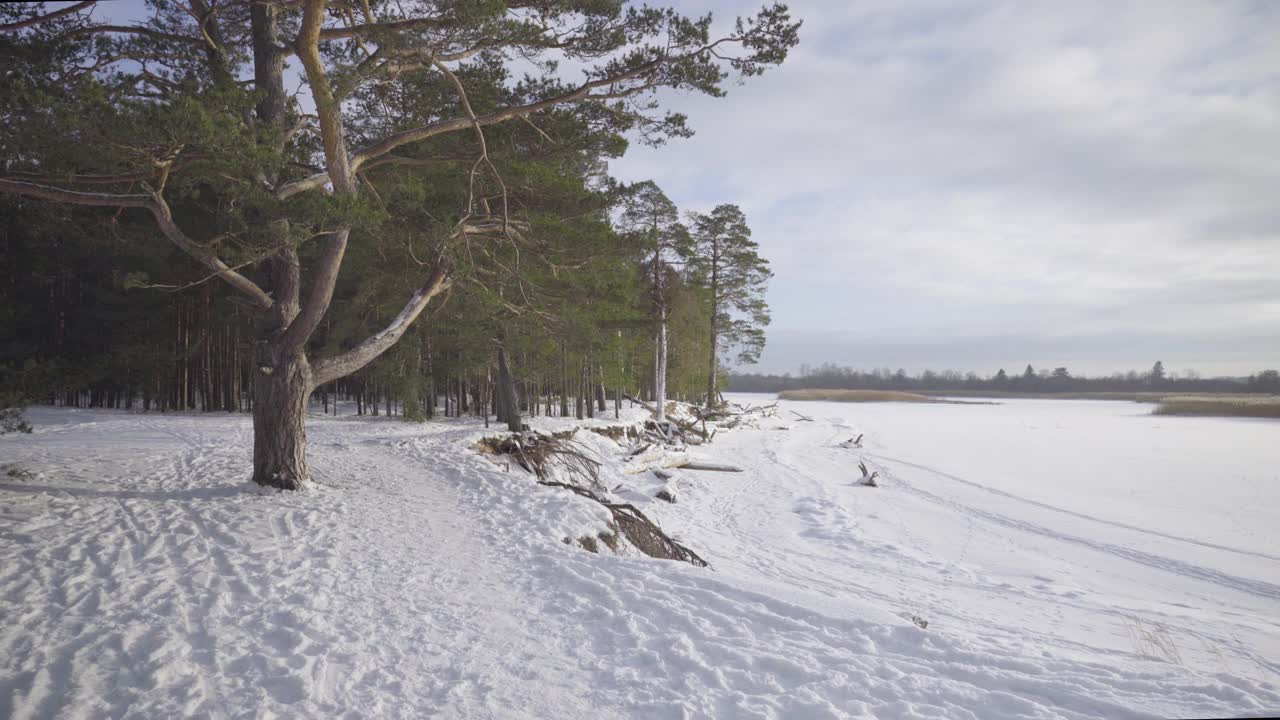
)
(140, 576)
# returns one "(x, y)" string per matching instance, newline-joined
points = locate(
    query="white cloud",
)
(1044, 173)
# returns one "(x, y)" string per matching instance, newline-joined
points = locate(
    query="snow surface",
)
(1071, 559)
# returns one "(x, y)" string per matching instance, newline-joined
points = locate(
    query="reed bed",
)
(1261, 406)
(855, 396)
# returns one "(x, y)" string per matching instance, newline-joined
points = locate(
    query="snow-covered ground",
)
(1071, 559)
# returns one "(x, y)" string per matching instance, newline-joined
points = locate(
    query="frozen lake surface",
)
(1070, 559)
(1076, 524)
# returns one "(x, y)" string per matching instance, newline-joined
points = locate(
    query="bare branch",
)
(328, 108)
(133, 30)
(159, 209)
(330, 369)
(326, 277)
(389, 26)
(398, 160)
(329, 111)
(71, 9)
(484, 146)
(583, 92)
(396, 140)
(201, 281)
(86, 179)
(164, 218)
(75, 197)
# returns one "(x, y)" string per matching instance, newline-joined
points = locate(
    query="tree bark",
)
(564, 381)
(281, 387)
(602, 400)
(508, 402)
(660, 372)
(713, 373)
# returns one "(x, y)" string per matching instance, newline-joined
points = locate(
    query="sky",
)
(976, 185)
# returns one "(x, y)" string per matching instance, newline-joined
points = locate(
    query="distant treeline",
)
(1030, 380)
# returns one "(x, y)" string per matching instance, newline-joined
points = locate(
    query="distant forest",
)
(1030, 380)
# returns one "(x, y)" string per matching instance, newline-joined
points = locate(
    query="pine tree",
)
(655, 222)
(267, 201)
(725, 260)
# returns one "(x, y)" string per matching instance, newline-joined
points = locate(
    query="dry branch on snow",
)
(536, 452)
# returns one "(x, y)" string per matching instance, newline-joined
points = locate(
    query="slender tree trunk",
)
(660, 370)
(602, 400)
(714, 370)
(564, 380)
(577, 395)
(508, 402)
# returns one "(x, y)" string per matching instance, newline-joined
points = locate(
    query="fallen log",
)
(712, 467)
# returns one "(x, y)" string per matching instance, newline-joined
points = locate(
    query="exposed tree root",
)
(638, 528)
(536, 451)
(674, 429)
(617, 432)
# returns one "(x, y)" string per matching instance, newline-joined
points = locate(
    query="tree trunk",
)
(602, 400)
(564, 381)
(509, 403)
(282, 384)
(660, 372)
(714, 371)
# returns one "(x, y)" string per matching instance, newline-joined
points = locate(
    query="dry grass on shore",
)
(1131, 396)
(1264, 406)
(855, 396)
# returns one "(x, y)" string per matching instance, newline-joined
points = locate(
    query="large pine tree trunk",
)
(282, 385)
(281, 374)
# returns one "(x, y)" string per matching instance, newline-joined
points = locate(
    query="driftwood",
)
(740, 413)
(683, 429)
(712, 467)
(617, 433)
(868, 479)
(805, 418)
(536, 451)
(852, 442)
(638, 528)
